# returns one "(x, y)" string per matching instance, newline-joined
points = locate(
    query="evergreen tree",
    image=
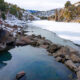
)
(68, 4)
(3, 16)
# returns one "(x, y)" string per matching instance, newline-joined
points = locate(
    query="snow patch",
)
(70, 31)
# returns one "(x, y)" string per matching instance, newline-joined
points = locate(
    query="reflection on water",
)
(4, 56)
(35, 62)
(2, 64)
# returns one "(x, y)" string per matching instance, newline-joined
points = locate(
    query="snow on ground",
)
(70, 31)
(12, 20)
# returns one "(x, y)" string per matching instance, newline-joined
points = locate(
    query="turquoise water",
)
(36, 62)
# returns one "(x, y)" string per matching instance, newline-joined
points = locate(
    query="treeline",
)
(71, 11)
(6, 8)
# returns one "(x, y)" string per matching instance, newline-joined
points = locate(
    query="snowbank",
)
(70, 31)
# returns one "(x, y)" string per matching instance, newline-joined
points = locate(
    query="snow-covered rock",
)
(45, 13)
(12, 20)
(28, 16)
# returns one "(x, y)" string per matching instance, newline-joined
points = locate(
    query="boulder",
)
(43, 38)
(20, 43)
(78, 75)
(15, 26)
(59, 59)
(67, 57)
(78, 69)
(71, 65)
(55, 55)
(4, 35)
(72, 50)
(34, 43)
(53, 48)
(40, 41)
(20, 75)
(33, 36)
(63, 51)
(27, 40)
(75, 58)
(47, 42)
(39, 37)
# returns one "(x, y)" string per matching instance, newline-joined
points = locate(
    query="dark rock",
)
(20, 43)
(47, 42)
(53, 48)
(3, 35)
(34, 43)
(20, 75)
(33, 36)
(15, 26)
(39, 37)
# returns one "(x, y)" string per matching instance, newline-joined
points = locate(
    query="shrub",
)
(2, 5)
(68, 3)
(13, 10)
(3, 16)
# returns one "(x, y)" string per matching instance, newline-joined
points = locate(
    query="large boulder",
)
(75, 58)
(71, 65)
(3, 35)
(63, 51)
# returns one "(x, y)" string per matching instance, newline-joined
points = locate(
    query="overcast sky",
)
(40, 4)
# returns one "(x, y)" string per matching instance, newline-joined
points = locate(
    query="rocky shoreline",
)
(64, 54)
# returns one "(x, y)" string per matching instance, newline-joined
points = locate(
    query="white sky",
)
(40, 4)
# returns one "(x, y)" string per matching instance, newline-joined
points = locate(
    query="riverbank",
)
(64, 54)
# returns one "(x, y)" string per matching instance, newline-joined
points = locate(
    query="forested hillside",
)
(71, 12)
